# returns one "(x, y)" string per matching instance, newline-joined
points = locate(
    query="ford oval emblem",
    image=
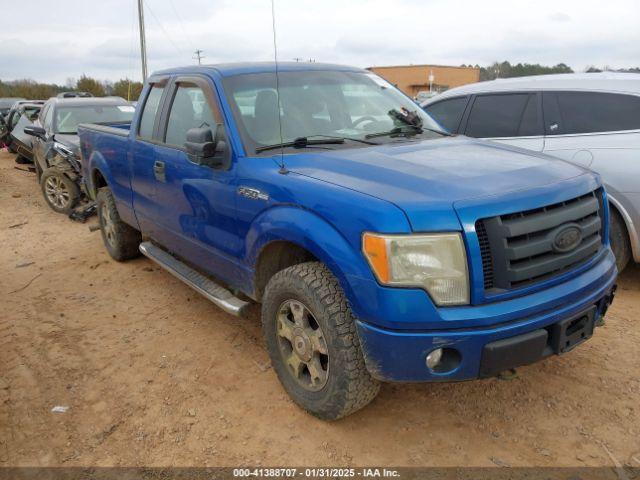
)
(567, 238)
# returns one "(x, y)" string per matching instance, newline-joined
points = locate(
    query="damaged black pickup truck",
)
(56, 148)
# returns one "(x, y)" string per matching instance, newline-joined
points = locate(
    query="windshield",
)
(350, 105)
(68, 118)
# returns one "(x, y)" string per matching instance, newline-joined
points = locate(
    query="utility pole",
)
(198, 55)
(143, 42)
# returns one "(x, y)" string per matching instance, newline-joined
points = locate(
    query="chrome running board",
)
(219, 295)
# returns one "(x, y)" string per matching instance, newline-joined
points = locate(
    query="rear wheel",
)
(59, 191)
(121, 240)
(311, 337)
(619, 238)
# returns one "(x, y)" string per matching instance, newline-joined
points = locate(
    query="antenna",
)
(198, 55)
(143, 42)
(283, 170)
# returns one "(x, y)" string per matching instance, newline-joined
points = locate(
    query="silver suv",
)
(592, 119)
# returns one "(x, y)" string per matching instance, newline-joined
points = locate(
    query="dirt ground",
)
(155, 375)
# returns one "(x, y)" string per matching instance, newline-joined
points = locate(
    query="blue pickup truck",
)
(380, 247)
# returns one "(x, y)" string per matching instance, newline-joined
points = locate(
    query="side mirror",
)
(34, 131)
(205, 147)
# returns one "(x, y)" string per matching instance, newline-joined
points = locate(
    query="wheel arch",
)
(294, 235)
(632, 233)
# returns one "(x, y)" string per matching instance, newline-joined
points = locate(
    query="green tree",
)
(506, 70)
(91, 85)
(127, 89)
(28, 89)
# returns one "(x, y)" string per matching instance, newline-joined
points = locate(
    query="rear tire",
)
(619, 239)
(121, 240)
(311, 338)
(59, 191)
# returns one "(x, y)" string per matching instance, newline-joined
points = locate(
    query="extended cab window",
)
(149, 113)
(504, 115)
(188, 110)
(448, 113)
(586, 112)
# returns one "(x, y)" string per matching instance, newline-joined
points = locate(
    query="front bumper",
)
(397, 355)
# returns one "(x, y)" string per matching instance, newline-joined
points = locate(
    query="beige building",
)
(412, 79)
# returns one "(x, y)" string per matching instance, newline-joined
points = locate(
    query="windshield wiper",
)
(352, 139)
(301, 142)
(405, 131)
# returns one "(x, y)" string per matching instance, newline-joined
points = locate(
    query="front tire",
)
(619, 239)
(59, 191)
(311, 338)
(121, 240)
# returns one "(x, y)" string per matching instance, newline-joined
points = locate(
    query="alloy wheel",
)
(57, 192)
(108, 225)
(302, 345)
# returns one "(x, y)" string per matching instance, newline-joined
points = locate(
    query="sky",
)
(99, 38)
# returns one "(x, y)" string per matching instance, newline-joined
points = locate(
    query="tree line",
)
(507, 70)
(131, 90)
(32, 90)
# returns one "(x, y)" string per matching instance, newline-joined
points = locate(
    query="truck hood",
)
(425, 178)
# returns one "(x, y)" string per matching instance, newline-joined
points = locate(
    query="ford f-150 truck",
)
(380, 248)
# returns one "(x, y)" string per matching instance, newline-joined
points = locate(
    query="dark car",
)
(56, 151)
(6, 103)
(22, 115)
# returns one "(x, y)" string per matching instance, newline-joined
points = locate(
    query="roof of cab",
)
(231, 69)
(604, 81)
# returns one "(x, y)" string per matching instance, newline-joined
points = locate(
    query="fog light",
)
(433, 359)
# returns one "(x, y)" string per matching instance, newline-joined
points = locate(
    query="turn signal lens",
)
(375, 249)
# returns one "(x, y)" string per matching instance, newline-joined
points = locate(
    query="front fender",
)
(313, 233)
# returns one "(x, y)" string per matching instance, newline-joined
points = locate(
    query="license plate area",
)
(571, 332)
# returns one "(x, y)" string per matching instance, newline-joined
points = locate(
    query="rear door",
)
(598, 130)
(513, 118)
(144, 186)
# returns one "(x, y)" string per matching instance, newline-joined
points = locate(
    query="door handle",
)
(159, 172)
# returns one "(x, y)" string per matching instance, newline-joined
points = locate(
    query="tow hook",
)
(605, 304)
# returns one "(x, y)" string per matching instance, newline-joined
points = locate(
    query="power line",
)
(161, 27)
(186, 34)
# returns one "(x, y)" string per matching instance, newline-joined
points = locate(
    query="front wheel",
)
(311, 338)
(59, 191)
(619, 239)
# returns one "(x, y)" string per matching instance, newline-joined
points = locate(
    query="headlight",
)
(62, 149)
(435, 262)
